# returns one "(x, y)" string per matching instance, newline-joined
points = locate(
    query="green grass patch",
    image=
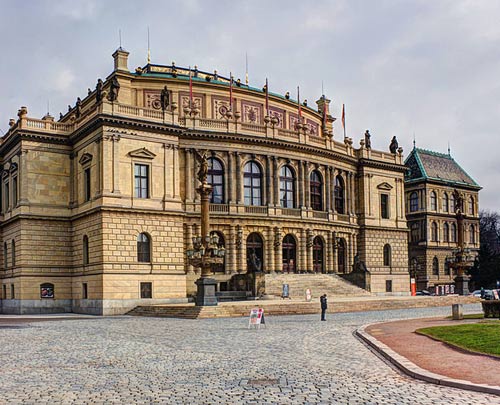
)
(470, 316)
(483, 337)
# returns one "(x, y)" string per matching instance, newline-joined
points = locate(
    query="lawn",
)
(483, 337)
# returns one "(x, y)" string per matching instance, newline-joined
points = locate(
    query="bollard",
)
(457, 312)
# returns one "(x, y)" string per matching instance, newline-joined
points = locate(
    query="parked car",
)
(423, 292)
(476, 293)
(487, 294)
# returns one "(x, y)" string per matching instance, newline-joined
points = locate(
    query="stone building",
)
(99, 207)
(430, 183)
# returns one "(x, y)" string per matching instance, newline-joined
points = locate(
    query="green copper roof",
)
(428, 165)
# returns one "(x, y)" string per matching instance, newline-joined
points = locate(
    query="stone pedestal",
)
(205, 295)
(457, 312)
(462, 285)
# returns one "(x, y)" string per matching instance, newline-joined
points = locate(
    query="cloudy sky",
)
(424, 69)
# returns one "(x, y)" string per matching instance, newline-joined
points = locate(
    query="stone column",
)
(230, 181)
(270, 250)
(116, 163)
(72, 180)
(278, 250)
(188, 229)
(309, 245)
(238, 177)
(175, 172)
(167, 193)
(276, 182)
(99, 167)
(231, 251)
(334, 253)
(23, 177)
(332, 186)
(188, 175)
(327, 188)
(301, 185)
(307, 185)
(301, 251)
(240, 249)
(269, 188)
(329, 253)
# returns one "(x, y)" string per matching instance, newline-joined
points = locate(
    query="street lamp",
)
(206, 252)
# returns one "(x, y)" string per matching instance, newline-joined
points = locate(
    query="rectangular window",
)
(384, 206)
(4, 292)
(141, 176)
(6, 195)
(14, 192)
(12, 292)
(85, 294)
(388, 285)
(146, 290)
(86, 183)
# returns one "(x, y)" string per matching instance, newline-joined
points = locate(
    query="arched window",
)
(339, 195)
(215, 178)
(85, 250)
(453, 233)
(471, 205)
(433, 201)
(447, 268)
(252, 178)
(13, 252)
(287, 187)
(452, 203)
(316, 187)
(446, 232)
(255, 253)
(414, 201)
(387, 255)
(435, 266)
(143, 248)
(434, 232)
(219, 268)
(46, 290)
(289, 254)
(472, 234)
(415, 232)
(318, 255)
(445, 202)
(341, 255)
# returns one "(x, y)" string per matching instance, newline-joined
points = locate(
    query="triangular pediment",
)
(384, 186)
(86, 158)
(142, 153)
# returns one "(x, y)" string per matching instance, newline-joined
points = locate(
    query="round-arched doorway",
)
(289, 254)
(255, 253)
(341, 256)
(318, 261)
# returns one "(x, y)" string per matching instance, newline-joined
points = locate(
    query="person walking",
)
(324, 306)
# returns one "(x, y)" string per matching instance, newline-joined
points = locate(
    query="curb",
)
(414, 371)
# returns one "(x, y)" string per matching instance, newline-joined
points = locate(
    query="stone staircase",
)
(330, 284)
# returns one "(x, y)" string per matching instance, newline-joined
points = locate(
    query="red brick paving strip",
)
(435, 356)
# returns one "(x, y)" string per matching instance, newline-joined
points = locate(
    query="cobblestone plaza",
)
(294, 360)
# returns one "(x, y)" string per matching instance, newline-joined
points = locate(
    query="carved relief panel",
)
(251, 112)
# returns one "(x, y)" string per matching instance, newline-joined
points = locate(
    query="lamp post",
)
(206, 251)
(461, 259)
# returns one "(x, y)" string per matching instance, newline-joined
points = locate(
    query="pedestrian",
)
(324, 306)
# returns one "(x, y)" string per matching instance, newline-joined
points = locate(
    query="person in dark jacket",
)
(324, 306)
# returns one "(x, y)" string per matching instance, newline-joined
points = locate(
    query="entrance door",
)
(289, 254)
(255, 253)
(341, 259)
(318, 255)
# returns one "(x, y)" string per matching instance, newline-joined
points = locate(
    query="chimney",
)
(121, 60)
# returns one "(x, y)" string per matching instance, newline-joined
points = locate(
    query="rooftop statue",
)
(164, 98)
(393, 147)
(98, 91)
(368, 142)
(114, 89)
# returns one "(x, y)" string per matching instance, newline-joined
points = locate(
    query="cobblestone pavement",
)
(294, 360)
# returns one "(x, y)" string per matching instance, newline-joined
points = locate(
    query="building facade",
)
(430, 186)
(100, 207)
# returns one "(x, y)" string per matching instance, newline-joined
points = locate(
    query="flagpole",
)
(298, 102)
(267, 98)
(230, 91)
(343, 118)
(190, 89)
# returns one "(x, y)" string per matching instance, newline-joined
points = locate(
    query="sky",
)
(425, 70)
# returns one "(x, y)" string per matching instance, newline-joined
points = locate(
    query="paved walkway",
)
(434, 357)
(294, 360)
